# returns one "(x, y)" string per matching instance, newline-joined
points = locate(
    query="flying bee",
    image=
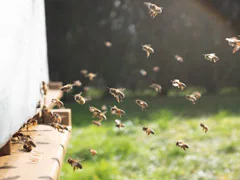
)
(77, 83)
(97, 123)
(115, 110)
(94, 109)
(67, 87)
(154, 10)
(117, 93)
(234, 42)
(57, 118)
(148, 130)
(104, 107)
(182, 145)
(108, 44)
(44, 88)
(178, 58)
(101, 116)
(93, 152)
(142, 104)
(91, 76)
(205, 128)
(191, 98)
(74, 163)
(156, 69)
(148, 49)
(119, 124)
(156, 87)
(178, 84)
(143, 72)
(79, 98)
(58, 103)
(211, 57)
(84, 72)
(196, 94)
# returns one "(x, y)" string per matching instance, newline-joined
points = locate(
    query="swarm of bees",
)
(154, 10)
(211, 57)
(148, 49)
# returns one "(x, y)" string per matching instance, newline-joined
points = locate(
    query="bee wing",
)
(148, 4)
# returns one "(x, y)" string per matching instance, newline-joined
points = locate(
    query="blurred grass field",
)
(130, 154)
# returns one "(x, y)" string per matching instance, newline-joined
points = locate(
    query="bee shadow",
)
(11, 178)
(45, 177)
(7, 167)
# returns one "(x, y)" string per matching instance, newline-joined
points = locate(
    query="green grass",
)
(130, 154)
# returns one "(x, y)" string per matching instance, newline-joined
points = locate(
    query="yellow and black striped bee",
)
(79, 98)
(58, 103)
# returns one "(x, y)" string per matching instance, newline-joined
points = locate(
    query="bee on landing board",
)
(74, 163)
(156, 87)
(211, 57)
(28, 144)
(141, 104)
(182, 145)
(115, 110)
(59, 127)
(58, 103)
(119, 124)
(148, 49)
(93, 152)
(148, 130)
(234, 42)
(154, 10)
(205, 128)
(177, 83)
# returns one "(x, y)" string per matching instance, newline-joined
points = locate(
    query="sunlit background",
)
(106, 37)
